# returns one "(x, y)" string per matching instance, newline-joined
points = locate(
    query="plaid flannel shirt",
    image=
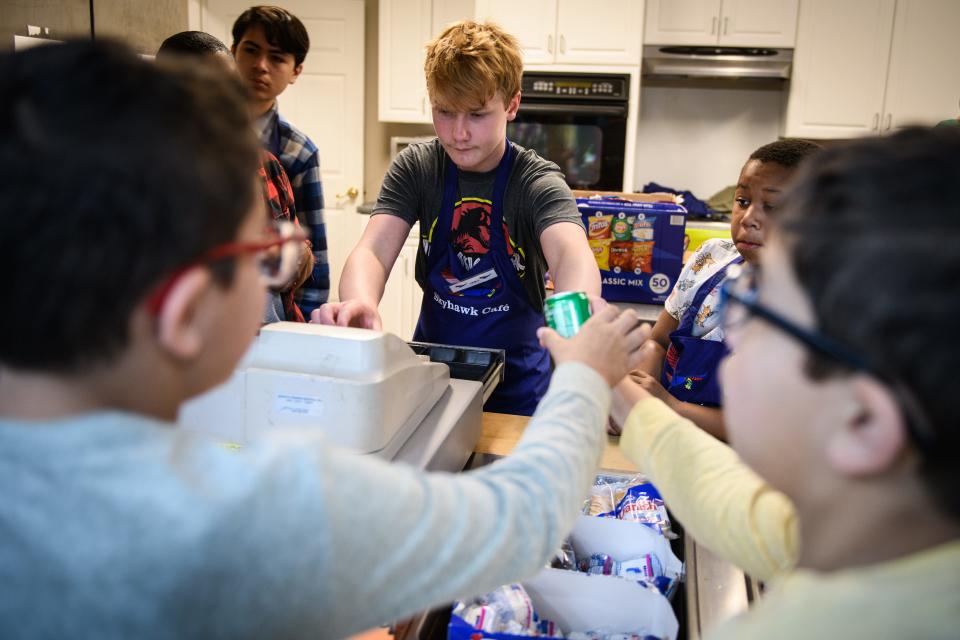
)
(301, 160)
(278, 198)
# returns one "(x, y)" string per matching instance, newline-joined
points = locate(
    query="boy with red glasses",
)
(115, 524)
(842, 488)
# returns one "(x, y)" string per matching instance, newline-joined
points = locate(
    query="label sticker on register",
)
(288, 404)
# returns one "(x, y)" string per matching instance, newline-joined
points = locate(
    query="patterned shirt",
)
(278, 198)
(301, 160)
(712, 256)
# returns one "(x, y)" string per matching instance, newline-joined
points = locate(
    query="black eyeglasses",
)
(740, 288)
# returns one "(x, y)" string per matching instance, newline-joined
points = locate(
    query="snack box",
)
(638, 246)
(583, 602)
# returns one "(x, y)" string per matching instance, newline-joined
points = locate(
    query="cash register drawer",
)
(467, 363)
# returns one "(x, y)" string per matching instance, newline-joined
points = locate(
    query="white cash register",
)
(367, 391)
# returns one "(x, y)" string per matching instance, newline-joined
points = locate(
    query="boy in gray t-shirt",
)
(536, 197)
(493, 218)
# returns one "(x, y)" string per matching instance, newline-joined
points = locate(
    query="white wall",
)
(696, 135)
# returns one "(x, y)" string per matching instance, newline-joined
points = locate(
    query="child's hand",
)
(352, 313)
(652, 386)
(609, 343)
(626, 394)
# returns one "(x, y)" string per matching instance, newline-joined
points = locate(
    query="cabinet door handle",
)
(549, 44)
(563, 44)
(726, 24)
(889, 122)
(713, 26)
(876, 121)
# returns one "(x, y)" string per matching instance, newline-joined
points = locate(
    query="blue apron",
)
(690, 367)
(484, 305)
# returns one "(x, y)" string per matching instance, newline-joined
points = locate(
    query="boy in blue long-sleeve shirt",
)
(117, 525)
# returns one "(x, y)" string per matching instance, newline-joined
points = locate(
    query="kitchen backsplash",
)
(696, 135)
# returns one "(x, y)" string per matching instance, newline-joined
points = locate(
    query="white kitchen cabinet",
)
(400, 304)
(735, 23)
(405, 27)
(839, 68)
(923, 85)
(571, 31)
(867, 66)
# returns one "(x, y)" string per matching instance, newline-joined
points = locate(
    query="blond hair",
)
(469, 63)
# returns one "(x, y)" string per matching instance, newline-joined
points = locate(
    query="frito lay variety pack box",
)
(638, 245)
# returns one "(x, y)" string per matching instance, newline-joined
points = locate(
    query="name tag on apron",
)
(473, 281)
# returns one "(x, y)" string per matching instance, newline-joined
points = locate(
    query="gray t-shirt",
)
(536, 197)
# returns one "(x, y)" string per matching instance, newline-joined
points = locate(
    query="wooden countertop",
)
(501, 432)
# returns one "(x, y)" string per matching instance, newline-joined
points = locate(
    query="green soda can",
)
(566, 312)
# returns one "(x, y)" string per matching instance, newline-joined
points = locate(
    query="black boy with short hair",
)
(277, 190)
(187, 43)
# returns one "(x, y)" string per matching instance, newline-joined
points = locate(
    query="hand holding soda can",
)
(566, 312)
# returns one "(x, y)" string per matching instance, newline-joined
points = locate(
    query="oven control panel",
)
(588, 86)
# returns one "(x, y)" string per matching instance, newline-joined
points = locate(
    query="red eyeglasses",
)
(278, 255)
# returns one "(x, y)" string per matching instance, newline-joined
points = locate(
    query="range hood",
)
(717, 62)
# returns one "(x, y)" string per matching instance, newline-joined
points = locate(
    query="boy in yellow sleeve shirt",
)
(841, 488)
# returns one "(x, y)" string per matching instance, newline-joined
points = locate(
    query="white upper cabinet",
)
(405, 27)
(867, 66)
(735, 23)
(692, 22)
(532, 22)
(923, 83)
(758, 23)
(839, 68)
(571, 31)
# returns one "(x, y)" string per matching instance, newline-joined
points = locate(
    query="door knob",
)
(351, 193)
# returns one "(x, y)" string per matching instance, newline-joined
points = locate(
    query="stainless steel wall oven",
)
(579, 121)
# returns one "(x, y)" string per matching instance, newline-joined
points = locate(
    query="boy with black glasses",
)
(842, 488)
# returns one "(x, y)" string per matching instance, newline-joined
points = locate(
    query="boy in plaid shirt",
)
(270, 45)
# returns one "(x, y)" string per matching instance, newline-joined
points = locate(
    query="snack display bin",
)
(712, 590)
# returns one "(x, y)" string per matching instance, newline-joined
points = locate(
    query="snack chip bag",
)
(601, 253)
(600, 564)
(599, 227)
(642, 503)
(621, 256)
(634, 499)
(600, 503)
(507, 609)
(642, 257)
(622, 228)
(642, 229)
